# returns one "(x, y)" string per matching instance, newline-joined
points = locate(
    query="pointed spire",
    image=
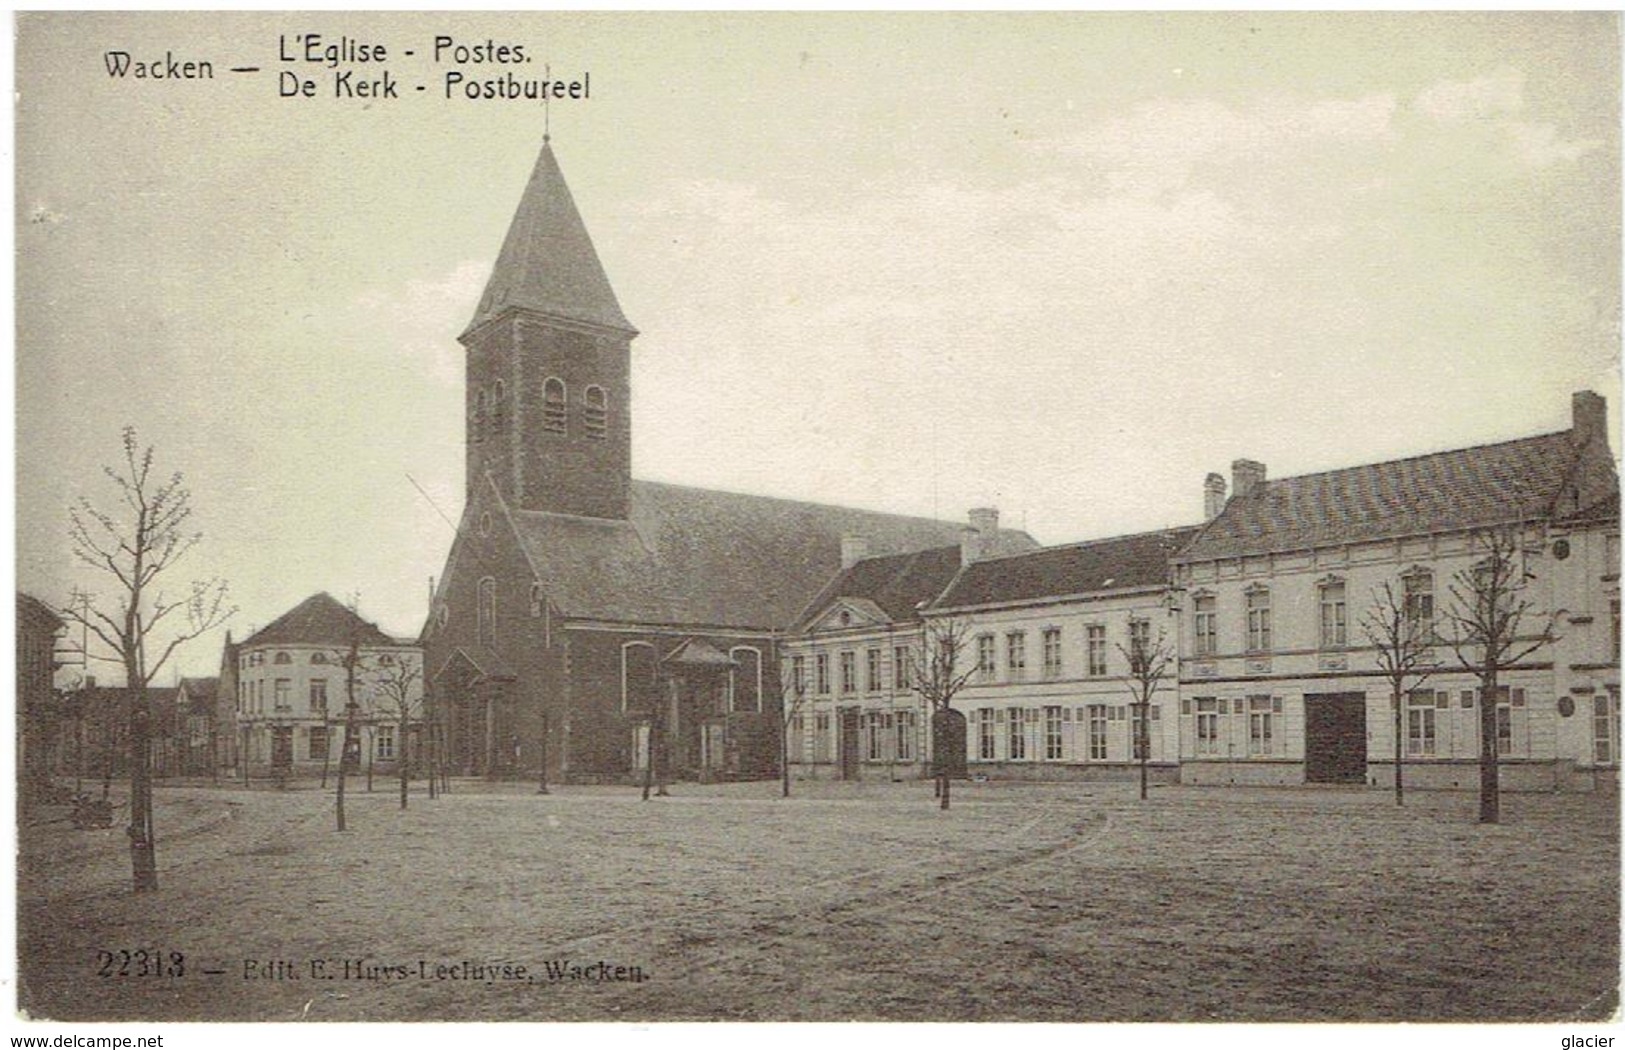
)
(547, 263)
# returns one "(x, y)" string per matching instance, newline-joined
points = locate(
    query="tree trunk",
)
(946, 788)
(1399, 749)
(661, 773)
(649, 762)
(784, 758)
(541, 766)
(1145, 749)
(1489, 780)
(109, 744)
(400, 760)
(433, 730)
(143, 851)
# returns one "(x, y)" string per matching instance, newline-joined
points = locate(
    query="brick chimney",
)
(1212, 496)
(977, 538)
(1246, 477)
(1590, 418)
(854, 549)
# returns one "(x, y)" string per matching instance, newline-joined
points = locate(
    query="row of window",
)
(1260, 715)
(1057, 734)
(1250, 725)
(251, 696)
(257, 659)
(318, 741)
(1417, 598)
(1097, 661)
(489, 410)
(875, 679)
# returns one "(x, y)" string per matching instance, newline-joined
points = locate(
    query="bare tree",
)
(940, 672)
(1149, 662)
(398, 686)
(1402, 634)
(1494, 625)
(792, 699)
(350, 749)
(135, 543)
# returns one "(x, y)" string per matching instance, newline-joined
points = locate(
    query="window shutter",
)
(1185, 705)
(1517, 698)
(1275, 704)
(1466, 699)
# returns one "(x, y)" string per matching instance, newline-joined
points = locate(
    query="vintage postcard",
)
(786, 517)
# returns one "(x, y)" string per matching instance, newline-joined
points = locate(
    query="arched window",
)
(283, 658)
(488, 612)
(596, 413)
(555, 405)
(536, 599)
(640, 687)
(499, 409)
(318, 657)
(745, 678)
(476, 416)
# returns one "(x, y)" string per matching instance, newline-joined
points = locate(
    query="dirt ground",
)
(848, 901)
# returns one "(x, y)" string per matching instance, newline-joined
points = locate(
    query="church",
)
(584, 619)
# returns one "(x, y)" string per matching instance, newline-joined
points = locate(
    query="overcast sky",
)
(1062, 264)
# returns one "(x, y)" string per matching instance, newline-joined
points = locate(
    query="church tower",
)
(548, 365)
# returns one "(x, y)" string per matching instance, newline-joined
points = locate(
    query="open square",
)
(848, 901)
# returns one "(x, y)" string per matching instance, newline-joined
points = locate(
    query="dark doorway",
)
(849, 743)
(1334, 738)
(282, 747)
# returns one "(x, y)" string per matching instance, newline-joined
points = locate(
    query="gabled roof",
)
(31, 608)
(1142, 560)
(547, 263)
(701, 557)
(1537, 477)
(319, 620)
(199, 692)
(895, 585)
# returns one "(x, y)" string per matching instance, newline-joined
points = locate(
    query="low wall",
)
(1254, 773)
(1514, 774)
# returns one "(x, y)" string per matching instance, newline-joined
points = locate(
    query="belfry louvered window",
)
(555, 405)
(596, 412)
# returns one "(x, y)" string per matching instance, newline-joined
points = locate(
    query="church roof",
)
(548, 263)
(1542, 476)
(1119, 563)
(702, 557)
(319, 620)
